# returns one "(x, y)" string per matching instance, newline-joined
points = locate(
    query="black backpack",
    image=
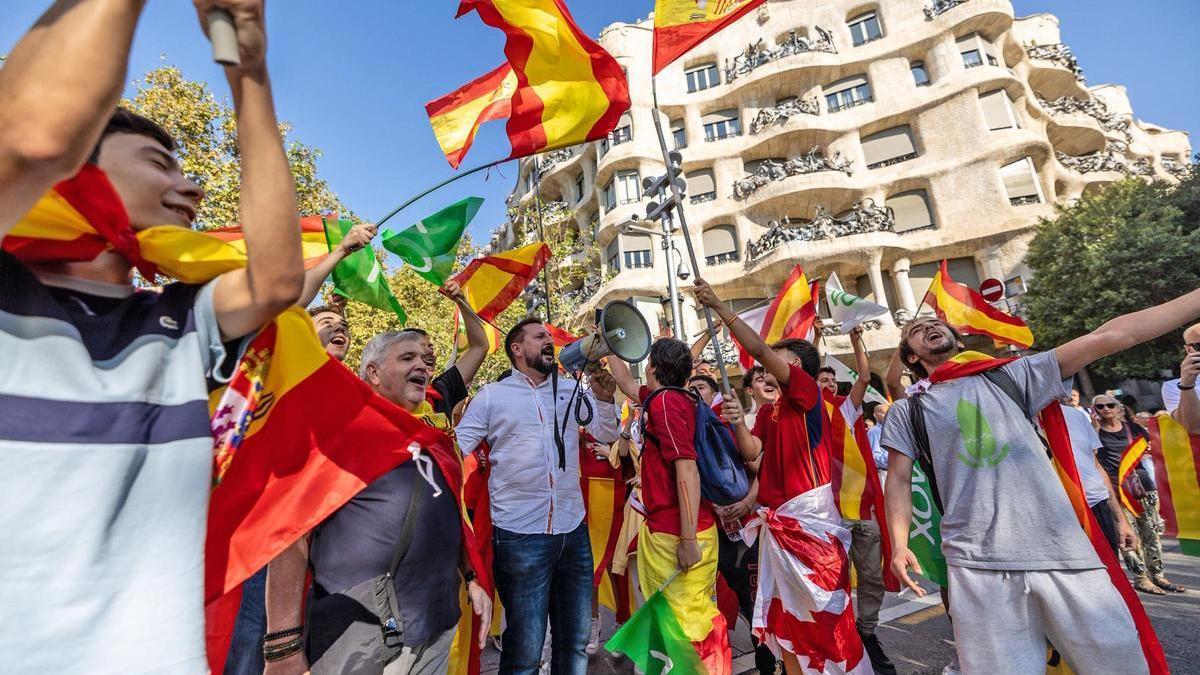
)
(723, 479)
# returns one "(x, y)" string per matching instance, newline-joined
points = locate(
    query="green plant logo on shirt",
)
(979, 445)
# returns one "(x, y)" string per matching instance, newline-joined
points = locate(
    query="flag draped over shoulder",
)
(456, 116)
(492, 282)
(359, 276)
(431, 246)
(680, 25)
(1129, 459)
(569, 89)
(1055, 427)
(1176, 457)
(965, 309)
(792, 314)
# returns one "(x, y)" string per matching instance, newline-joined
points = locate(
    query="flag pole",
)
(439, 186)
(687, 237)
(537, 201)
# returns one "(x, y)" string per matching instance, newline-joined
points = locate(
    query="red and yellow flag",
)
(792, 314)
(680, 25)
(1176, 457)
(965, 309)
(460, 335)
(313, 246)
(604, 493)
(569, 90)
(491, 283)
(456, 116)
(1129, 460)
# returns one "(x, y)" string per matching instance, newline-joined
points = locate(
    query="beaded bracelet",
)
(283, 633)
(279, 652)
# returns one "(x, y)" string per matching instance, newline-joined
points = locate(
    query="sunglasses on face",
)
(1103, 406)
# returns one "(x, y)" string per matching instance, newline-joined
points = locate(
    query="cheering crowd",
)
(106, 468)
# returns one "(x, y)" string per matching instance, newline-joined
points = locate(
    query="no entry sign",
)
(992, 290)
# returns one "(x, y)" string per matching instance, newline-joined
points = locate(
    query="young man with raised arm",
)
(107, 455)
(804, 617)
(1022, 570)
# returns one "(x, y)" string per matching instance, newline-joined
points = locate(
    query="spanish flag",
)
(569, 90)
(1176, 457)
(460, 335)
(966, 310)
(312, 239)
(456, 116)
(1129, 460)
(792, 314)
(604, 494)
(491, 283)
(680, 25)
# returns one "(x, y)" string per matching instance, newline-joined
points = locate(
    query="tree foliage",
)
(1130, 246)
(206, 130)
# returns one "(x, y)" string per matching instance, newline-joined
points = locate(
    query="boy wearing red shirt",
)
(802, 610)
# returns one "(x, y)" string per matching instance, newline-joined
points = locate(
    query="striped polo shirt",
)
(105, 466)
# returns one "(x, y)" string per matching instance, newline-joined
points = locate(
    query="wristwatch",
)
(470, 576)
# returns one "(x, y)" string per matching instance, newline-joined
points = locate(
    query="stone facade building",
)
(871, 139)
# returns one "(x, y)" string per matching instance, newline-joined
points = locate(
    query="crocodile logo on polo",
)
(979, 444)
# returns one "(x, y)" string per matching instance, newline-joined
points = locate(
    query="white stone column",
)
(903, 288)
(875, 274)
(988, 261)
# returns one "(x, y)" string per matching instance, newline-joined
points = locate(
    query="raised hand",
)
(249, 20)
(358, 238)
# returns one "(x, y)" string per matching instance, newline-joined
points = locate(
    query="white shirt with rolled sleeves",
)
(1171, 394)
(529, 493)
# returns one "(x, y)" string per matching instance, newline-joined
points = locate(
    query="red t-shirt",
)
(792, 430)
(672, 420)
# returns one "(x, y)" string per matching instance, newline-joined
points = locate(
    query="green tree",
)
(1130, 246)
(206, 130)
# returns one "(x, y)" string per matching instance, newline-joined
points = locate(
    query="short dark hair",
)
(827, 369)
(712, 384)
(327, 309)
(126, 122)
(672, 361)
(748, 378)
(810, 359)
(907, 351)
(516, 333)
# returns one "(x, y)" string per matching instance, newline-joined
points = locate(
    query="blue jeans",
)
(540, 575)
(245, 650)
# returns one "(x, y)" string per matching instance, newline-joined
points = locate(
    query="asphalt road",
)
(917, 635)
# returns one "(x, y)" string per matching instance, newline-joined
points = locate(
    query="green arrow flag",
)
(431, 245)
(925, 531)
(653, 639)
(359, 276)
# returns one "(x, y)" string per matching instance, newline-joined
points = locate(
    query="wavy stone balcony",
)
(939, 7)
(1093, 107)
(1106, 161)
(770, 170)
(1060, 55)
(757, 55)
(864, 217)
(785, 110)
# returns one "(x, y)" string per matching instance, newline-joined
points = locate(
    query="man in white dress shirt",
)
(543, 556)
(1185, 409)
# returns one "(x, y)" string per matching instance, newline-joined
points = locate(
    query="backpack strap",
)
(916, 419)
(1005, 382)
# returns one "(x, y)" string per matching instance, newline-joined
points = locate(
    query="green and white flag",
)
(925, 530)
(431, 246)
(847, 374)
(653, 639)
(849, 310)
(359, 276)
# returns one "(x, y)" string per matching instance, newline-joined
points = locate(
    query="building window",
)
(920, 74)
(610, 196)
(889, 147)
(1021, 182)
(605, 144)
(720, 245)
(629, 187)
(702, 77)
(636, 251)
(865, 28)
(702, 186)
(624, 131)
(721, 124)
(976, 51)
(579, 195)
(678, 134)
(911, 210)
(962, 270)
(848, 93)
(998, 111)
(613, 255)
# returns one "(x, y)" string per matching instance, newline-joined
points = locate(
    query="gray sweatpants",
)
(1004, 619)
(867, 555)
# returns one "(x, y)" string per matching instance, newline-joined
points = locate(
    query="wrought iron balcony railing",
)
(1105, 160)
(1058, 54)
(556, 157)
(721, 258)
(703, 197)
(862, 218)
(757, 55)
(785, 110)
(1175, 168)
(939, 7)
(771, 170)
(1092, 107)
(1022, 201)
(893, 161)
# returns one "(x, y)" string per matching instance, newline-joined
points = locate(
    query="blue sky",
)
(353, 78)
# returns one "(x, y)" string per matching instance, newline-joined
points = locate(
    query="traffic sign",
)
(992, 290)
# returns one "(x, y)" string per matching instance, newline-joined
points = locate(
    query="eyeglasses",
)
(1103, 406)
(1194, 345)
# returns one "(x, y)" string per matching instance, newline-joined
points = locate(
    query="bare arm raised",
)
(1127, 331)
(745, 335)
(59, 87)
